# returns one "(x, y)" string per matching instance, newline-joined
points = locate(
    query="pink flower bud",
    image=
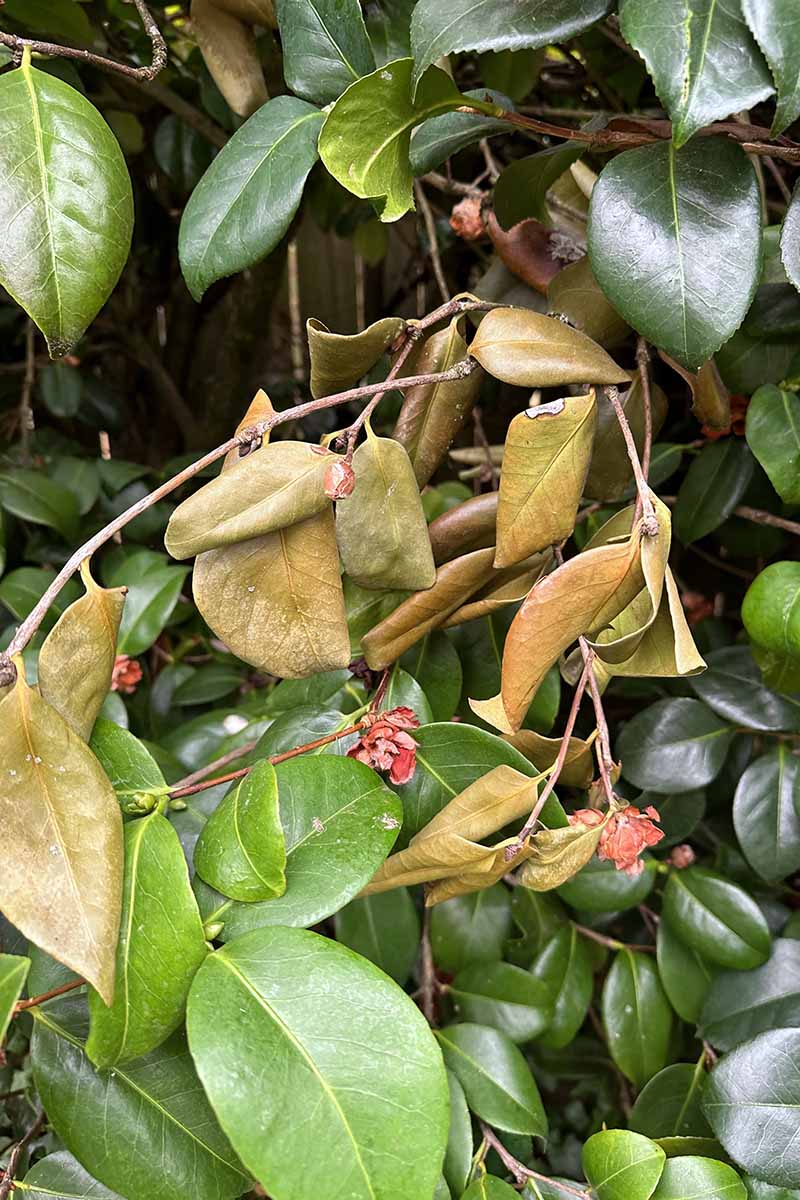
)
(340, 480)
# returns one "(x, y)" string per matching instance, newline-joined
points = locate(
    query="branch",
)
(605, 760)
(649, 519)
(20, 44)
(433, 244)
(7, 1176)
(757, 515)
(35, 1001)
(520, 1171)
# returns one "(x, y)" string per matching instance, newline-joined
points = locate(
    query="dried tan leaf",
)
(506, 587)
(555, 855)
(575, 292)
(468, 526)
(610, 472)
(339, 360)
(711, 400)
(527, 249)
(578, 768)
(260, 409)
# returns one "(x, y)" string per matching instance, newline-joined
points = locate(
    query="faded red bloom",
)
(466, 220)
(738, 417)
(586, 816)
(385, 745)
(681, 857)
(626, 835)
(339, 480)
(697, 606)
(126, 675)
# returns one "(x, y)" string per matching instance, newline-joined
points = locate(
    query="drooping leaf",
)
(610, 472)
(325, 46)
(260, 996)
(59, 1176)
(674, 746)
(714, 485)
(61, 849)
(77, 658)
(766, 813)
(504, 590)
(687, 976)
(13, 973)
(770, 612)
(637, 1017)
(675, 243)
(716, 918)
(704, 63)
(339, 360)
(576, 294)
(160, 947)
(544, 468)
(504, 997)
(381, 528)
(711, 401)
(694, 1175)
(247, 198)
(530, 350)
(241, 850)
(67, 204)
(564, 965)
(773, 434)
(496, 1079)
(578, 768)
(557, 855)
(464, 528)
(383, 928)
(670, 1104)
(621, 1165)
(742, 1004)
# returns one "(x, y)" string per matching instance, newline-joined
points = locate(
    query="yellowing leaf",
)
(610, 472)
(276, 601)
(578, 768)
(505, 587)
(581, 597)
(667, 648)
(381, 527)
(269, 489)
(259, 409)
(575, 292)
(61, 843)
(711, 400)
(339, 360)
(468, 526)
(544, 467)
(77, 658)
(527, 349)
(555, 855)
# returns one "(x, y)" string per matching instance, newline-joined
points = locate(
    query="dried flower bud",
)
(127, 673)
(466, 220)
(681, 857)
(339, 480)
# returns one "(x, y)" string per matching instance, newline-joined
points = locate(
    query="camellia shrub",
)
(399, 779)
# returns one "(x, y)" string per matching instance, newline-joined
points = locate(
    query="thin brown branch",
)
(783, 187)
(451, 186)
(520, 1171)
(649, 519)
(759, 516)
(433, 243)
(25, 411)
(643, 364)
(7, 1176)
(19, 44)
(486, 470)
(602, 746)
(209, 769)
(35, 1001)
(609, 942)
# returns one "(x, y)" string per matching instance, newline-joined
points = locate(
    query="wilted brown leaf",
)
(259, 409)
(505, 587)
(527, 249)
(339, 360)
(578, 768)
(529, 350)
(555, 855)
(711, 400)
(575, 292)
(610, 472)
(467, 526)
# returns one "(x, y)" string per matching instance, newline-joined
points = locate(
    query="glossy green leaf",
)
(600, 888)
(790, 248)
(128, 764)
(373, 1103)
(458, 1155)
(340, 821)
(60, 389)
(675, 243)
(504, 997)
(383, 927)
(496, 1079)
(741, 1005)
(770, 22)
(704, 63)
(766, 813)
(733, 687)
(59, 1176)
(67, 206)
(674, 746)
(637, 1017)
(755, 1091)
(757, 1190)
(714, 485)
(433, 142)
(13, 973)
(622, 1166)
(773, 434)
(670, 1104)
(161, 945)
(241, 850)
(687, 977)
(435, 664)
(470, 929)
(325, 46)
(537, 917)
(489, 1187)
(522, 187)
(33, 497)
(178, 1149)
(564, 965)
(692, 1175)
(247, 198)
(770, 611)
(152, 596)
(716, 918)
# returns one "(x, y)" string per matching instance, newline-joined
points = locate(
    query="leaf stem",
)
(649, 519)
(520, 1171)
(35, 1001)
(7, 1175)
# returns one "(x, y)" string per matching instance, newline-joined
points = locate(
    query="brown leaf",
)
(433, 414)
(260, 409)
(61, 845)
(578, 768)
(467, 526)
(228, 46)
(528, 350)
(419, 614)
(381, 527)
(610, 472)
(339, 360)
(505, 587)
(77, 658)
(667, 649)
(544, 467)
(711, 400)
(527, 249)
(575, 292)
(555, 855)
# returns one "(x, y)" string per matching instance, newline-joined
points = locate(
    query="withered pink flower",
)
(626, 835)
(681, 856)
(586, 816)
(385, 745)
(339, 480)
(466, 220)
(126, 675)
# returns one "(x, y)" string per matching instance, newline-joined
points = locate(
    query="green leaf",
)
(504, 997)
(241, 851)
(470, 929)
(770, 611)
(732, 686)
(435, 665)
(325, 46)
(755, 1091)
(756, 1190)
(714, 485)
(675, 243)
(161, 945)
(743, 1004)
(53, 18)
(246, 200)
(149, 604)
(685, 974)
(704, 63)
(622, 1166)
(60, 389)
(637, 1017)
(66, 207)
(674, 746)
(496, 1079)
(371, 1101)
(433, 142)
(33, 497)
(771, 24)
(691, 1175)
(512, 71)
(128, 764)
(773, 434)
(438, 29)
(522, 187)
(340, 822)
(13, 973)
(178, 1149)
(790, 241)
(457, 1166)
(59, 1176)
(670, 1104)
(489, 1187)
(716, 918)
(564, 965)
(600, 888)
(366, 137)
(766, 813)
(383, 927)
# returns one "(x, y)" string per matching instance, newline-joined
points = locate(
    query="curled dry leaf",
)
(381, 529)
(228, 46)
(528, 249)
(581, 597)
(578, 768)
(339, 360)
(610, 473)
(468, 526)
(455, 582)
(260, 408)
(544, 467)
(529, 350)
(268, 489)
(61, 849)
(433, 414)
(505, 587)
(575, 293)
(76, 662)
(555, 855)
(711, 400)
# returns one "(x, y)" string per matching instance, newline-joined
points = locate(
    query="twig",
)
(451, 186)
(433, 243)
(7, 1176)
(35, 1001)
(649, 519)
(216, 765)
(20, 44)
(295, 318)
(187, 112)
(520, 1171)
(609, 942)
(758, 515)
(105, 454)
(26, 421)
(603, 744)
(783, 188)
(643, 363)
(488, 468)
